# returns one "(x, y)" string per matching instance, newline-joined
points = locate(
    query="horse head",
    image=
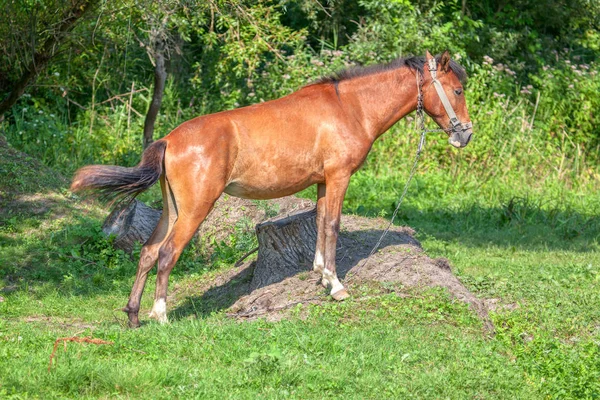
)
(443, 97)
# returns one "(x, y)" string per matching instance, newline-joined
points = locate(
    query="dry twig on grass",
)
(73, 339)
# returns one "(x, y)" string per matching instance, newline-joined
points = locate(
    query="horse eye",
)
(458, 92)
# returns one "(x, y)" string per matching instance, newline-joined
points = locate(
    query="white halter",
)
(456, 125)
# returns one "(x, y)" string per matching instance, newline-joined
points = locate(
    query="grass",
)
(530, 248)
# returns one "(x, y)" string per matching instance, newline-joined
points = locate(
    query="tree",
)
(51, 29)
(161, 18)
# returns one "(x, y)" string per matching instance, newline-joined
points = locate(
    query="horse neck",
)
(380, 100)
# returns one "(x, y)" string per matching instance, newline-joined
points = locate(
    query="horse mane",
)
(415, 63)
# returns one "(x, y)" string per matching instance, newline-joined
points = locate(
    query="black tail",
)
(121, 183)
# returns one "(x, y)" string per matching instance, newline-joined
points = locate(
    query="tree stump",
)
(132, 223)
(286, 246)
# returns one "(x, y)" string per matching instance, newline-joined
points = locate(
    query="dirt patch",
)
(400, 262)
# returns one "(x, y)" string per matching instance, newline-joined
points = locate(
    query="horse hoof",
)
(340, 295)
(134, 324)
(162, 318)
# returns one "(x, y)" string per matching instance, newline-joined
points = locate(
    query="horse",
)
(320, 134)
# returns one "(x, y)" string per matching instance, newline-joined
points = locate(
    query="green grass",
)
(531, 248)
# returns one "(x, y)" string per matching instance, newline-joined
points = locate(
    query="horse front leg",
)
(319, 262)
(334, 198)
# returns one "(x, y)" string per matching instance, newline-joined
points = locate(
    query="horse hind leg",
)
(149, 253)
(195, 211)
(169, 253)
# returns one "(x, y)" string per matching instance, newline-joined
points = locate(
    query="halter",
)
(456, 126)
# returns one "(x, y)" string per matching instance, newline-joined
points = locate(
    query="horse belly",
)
(271, 185)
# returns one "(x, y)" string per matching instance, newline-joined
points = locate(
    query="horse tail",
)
(121, 183)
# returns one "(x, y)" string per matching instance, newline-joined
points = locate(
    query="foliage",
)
(28, 25)
(535, 115)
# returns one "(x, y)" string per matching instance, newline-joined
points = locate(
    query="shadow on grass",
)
(519, 223)
(75, 257)
(80, 261)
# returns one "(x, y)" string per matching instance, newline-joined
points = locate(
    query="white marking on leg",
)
(319, 262)
(332, 279)
(159, 311)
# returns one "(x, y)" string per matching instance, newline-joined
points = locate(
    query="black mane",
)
(415, 63)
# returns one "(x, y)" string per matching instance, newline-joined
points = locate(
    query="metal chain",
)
(421, 123)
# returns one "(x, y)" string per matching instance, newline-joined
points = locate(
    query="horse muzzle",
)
(460, 135)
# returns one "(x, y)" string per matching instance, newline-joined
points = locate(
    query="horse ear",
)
(445, 61)
(428, 55)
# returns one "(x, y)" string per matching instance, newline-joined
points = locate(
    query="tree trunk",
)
(286, 246)
(131, 224)
(160, 77)
(49, 49)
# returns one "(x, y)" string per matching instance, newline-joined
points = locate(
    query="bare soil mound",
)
(246, 293)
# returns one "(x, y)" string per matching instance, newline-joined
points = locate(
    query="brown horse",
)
(320, 134)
